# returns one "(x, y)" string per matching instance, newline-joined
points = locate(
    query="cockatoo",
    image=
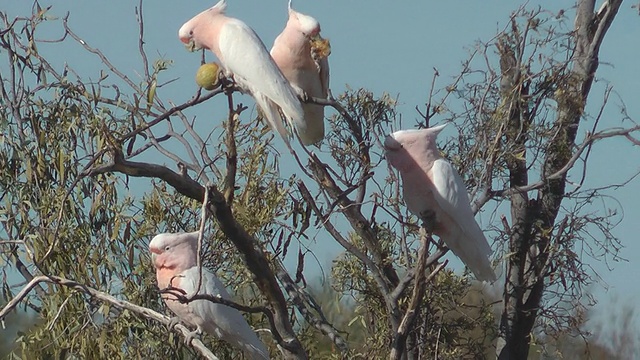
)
(174, 257)
(244, 56)
(433, 188)
(302, 56)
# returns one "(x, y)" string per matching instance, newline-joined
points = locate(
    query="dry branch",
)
(304, 302)
(254, 258)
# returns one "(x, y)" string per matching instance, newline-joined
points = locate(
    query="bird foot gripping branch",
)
(434, 191)
(173, 322)
(195, 334)
(428, 218)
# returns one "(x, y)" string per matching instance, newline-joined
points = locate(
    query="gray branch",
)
(304, 302)
(254, 258)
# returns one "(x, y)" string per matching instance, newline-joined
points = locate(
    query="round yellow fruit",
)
(207, 76)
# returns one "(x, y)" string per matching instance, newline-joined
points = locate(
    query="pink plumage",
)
(174, 257)
(309, 76)
(431, 183)
(244, 56)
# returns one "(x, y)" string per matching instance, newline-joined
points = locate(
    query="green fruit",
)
(207, 76)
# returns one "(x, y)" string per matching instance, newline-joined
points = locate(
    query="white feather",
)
(451, 194)
(246, 57)
(223, 321)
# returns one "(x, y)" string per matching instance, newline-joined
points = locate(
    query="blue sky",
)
(385, 47)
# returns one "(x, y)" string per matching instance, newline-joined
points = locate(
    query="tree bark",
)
(254, 258)
(533, 220)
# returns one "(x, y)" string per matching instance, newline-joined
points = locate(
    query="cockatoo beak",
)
(189, 44)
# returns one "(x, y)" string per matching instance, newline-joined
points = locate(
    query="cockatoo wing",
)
(246, 57)
(220, 320)
(451, 195)
(272, 115)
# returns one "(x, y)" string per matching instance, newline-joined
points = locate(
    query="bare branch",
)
(143, 54)
(590, 139)
(183, 184)
(359, 223)
(352, 249)
(408, 278)
(303, 301)
(232, 153)
(254, 258)
(180, 296)
(197, 99)
(100, 54)
(399, 342)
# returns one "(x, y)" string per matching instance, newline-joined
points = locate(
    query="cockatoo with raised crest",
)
(302, 56)
(244, 57)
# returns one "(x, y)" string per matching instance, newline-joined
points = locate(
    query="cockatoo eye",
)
(167, 248)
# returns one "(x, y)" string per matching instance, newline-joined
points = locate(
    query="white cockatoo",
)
(174, 257)
(302, 56)
(433, 188)
(244, 56)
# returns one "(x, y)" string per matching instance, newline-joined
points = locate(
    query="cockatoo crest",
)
(221, 6)
(188, 33)
(399, 146)
(306, 24)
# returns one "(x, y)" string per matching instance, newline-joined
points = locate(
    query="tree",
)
(77, 149)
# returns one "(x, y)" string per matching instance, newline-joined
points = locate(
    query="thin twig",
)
(180, 296)
(303, 301)
(232, 152)
(352, 249)
(562, 171)
(203, 223)
(399, 343)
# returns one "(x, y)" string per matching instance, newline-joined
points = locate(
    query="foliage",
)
(89, 181)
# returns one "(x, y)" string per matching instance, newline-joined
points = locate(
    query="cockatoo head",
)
(174, 251)
(404, 148)
(309, 26)
(193, 32)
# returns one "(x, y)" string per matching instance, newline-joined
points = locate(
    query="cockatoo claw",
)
(192, 335)
(428, 218)
(173, 322)
(303, 95)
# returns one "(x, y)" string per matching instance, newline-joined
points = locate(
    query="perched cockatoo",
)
(174, 257)
(244, 56)
(306, 67)
(433, 189)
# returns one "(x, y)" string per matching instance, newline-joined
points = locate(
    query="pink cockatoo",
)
(244, 56)
(307, 72)
(432, 188)
(174, 257)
